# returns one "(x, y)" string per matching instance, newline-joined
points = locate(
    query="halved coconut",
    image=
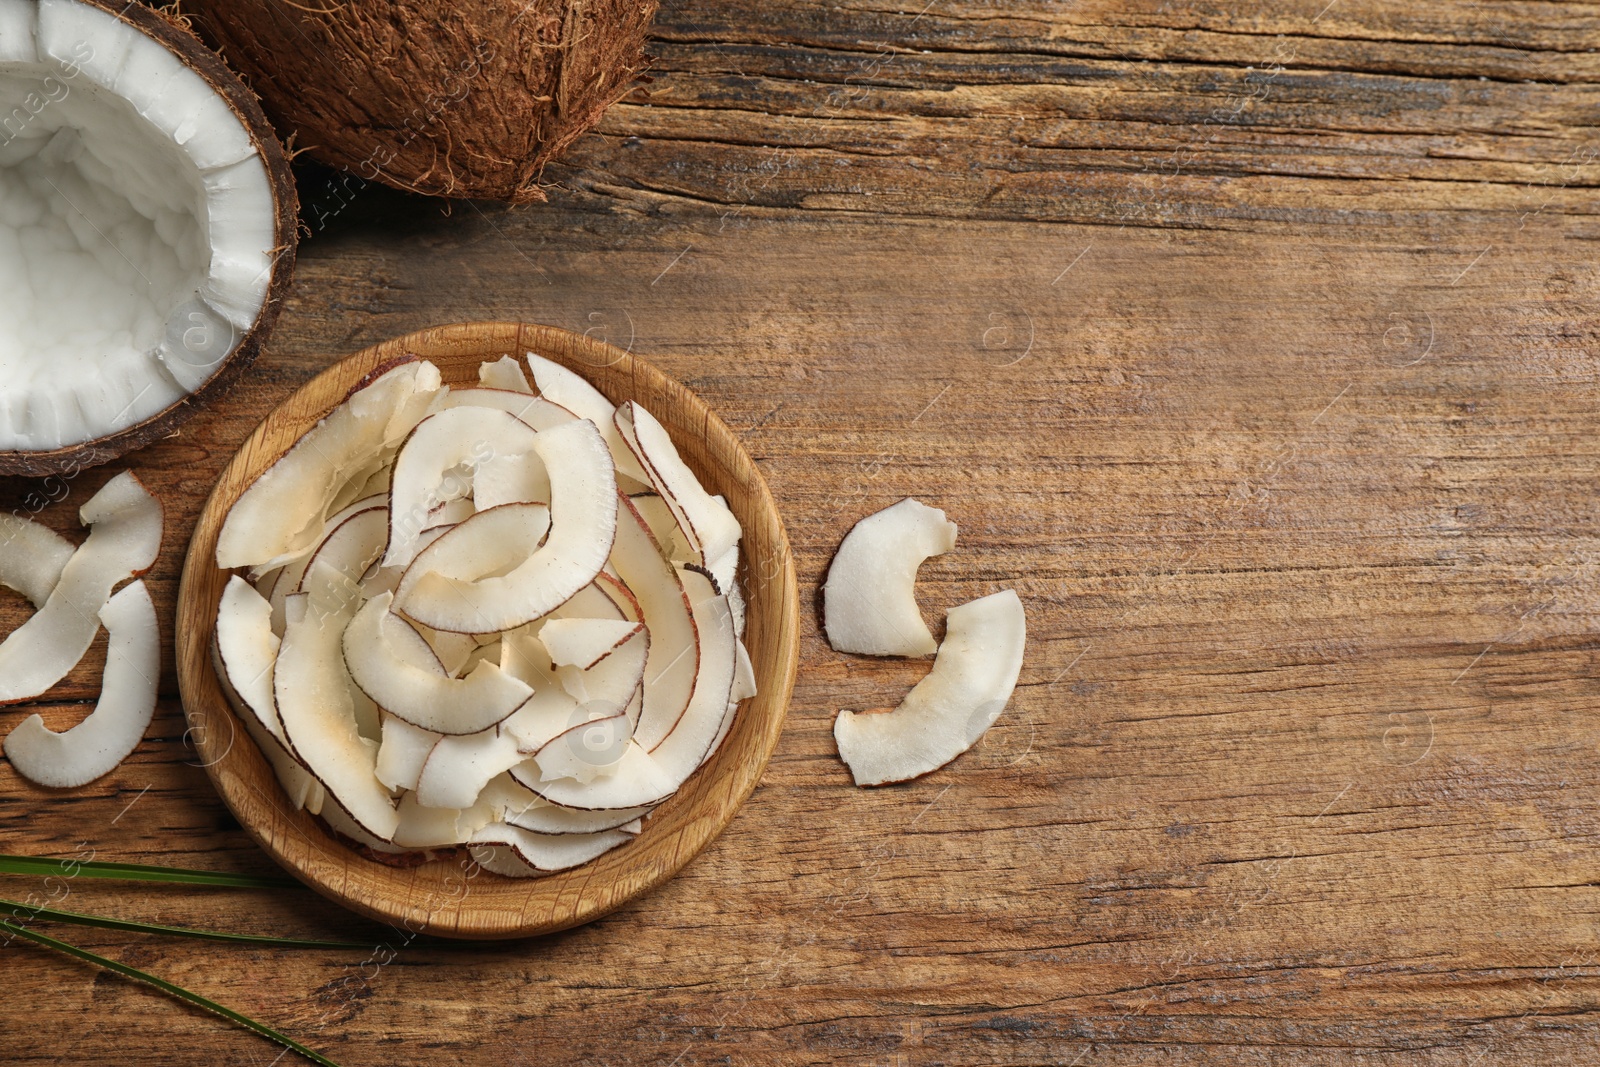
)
(127, 701)
(385, 664)
(583, 521)
(147, 230)
(124, 537)
(969, 686)
(869, 600)
(283, 514)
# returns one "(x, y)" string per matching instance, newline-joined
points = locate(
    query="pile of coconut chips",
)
(489, 617)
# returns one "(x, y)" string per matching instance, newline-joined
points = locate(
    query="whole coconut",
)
(467, 98)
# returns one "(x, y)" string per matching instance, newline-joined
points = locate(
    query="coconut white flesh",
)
(458, 768)
(491, 543)
(302, 789)
(136, 226)
(585, 751)
(550, 710)
(945, 714)
(387, 667)
(402, 752)
(583, 522)
(312, 690)
(425, 827)
(504, 373)
(582, 643)
(736, 601)
(353, 546)
(113, 729)
(562, 386)
(674, 656)
(682, 750)
(32, 557)
(614, 682)
(284, 512)
(869, 599)
(547, 818)
(124, 536)
(706, 522)
(635, 781)
(744, 675)
(340, 822)
(436, 465)
(248, 649)
(663, 523)
(291, 575)
(515, 852)
(510, 479)
(536, 411)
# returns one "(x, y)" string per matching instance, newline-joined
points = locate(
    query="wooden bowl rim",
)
(455, 898)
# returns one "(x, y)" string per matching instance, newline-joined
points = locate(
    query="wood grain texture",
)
(1293, 468)
(454, 897)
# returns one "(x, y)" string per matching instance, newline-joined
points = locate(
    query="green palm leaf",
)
(168, 987)
(135, 872)
(27, 912)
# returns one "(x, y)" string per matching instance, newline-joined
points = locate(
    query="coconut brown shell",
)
(465, 98)
(206, 63)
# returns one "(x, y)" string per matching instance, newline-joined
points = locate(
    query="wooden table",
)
(1254, 346)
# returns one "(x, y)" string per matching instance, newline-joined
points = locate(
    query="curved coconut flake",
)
(515, 852)
(869, 599)
(682, 750)
(583, 522)
(945, 714)
(318, 713)
(491, 543)
(458, 768)
(425, 827)
(436, 465)
(402, 752)
(124, 536)
(353, 546)
(674, 655)
(248, 649)
(705, 521)
(113, 729)
(612, 684)
(385, 665)
(283, 512)
(636, 781)
(510, 480)
(569, 389)
(303, 790)
(663, 523)
(504, 373)
(585, 751)
(340, 822)
(536, 411)
(582, 643)
(32, 557)
(551, 709)
(547, 818)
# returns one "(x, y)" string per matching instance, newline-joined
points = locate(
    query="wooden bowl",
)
(456, 898)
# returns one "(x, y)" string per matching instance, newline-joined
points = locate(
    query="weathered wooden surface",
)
(1273, 393)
